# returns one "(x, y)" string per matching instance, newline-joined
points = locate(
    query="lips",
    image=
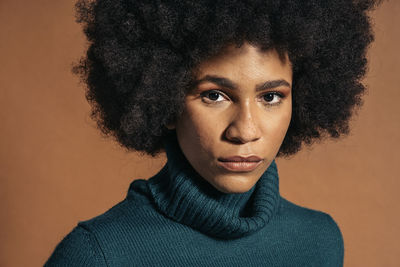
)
(239, 163)
(240, 159)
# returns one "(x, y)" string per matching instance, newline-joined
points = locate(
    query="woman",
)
(223, 87)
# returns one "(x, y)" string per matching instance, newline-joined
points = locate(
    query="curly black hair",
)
(141, 54)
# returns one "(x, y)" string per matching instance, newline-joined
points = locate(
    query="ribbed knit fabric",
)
(176, 218)
(183, 195)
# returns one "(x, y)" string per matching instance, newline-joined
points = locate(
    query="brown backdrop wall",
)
(56, 169)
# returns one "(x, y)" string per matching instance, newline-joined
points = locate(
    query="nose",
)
(244, 127)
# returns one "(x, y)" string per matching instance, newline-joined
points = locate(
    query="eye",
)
(212, 96)
(273, 98)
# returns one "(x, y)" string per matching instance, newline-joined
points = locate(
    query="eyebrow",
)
(227, 83)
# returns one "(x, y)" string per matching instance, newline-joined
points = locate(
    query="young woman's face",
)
(240, 106)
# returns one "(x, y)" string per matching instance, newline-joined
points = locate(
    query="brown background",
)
(56, 169)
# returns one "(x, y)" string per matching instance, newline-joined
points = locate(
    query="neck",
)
(180, 193)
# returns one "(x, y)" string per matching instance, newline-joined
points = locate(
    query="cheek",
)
(283, 123)
(206, 126)
(285, 118)
(276, 126)
(199, 129)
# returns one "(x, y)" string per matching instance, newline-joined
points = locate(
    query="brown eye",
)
(269, 97)
(212, 96)
(273, 98)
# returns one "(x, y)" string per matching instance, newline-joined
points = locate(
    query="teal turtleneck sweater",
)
(176, 218)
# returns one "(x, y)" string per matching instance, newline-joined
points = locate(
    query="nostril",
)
(242, 133)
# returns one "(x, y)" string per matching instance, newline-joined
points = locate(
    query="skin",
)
(226, 122)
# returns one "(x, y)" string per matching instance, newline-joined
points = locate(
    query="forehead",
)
(246, 61)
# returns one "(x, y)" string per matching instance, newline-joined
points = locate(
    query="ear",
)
(170, 126)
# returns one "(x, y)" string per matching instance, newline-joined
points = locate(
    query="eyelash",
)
(205, 93)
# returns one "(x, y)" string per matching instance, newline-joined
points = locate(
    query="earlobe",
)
(170, 126)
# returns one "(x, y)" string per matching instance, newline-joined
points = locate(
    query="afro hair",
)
(140, 54)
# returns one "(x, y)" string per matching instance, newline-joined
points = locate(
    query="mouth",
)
(240, 159)
(239, 163)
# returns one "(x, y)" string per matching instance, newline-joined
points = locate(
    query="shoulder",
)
(321, 224)
(127, 217)
(90, 241)
(315, 228)
(78, 248)
(83, 246)
(135, 209)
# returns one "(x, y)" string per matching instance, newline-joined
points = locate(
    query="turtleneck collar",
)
(181, 194)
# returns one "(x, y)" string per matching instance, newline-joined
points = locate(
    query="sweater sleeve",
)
(79, 248)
